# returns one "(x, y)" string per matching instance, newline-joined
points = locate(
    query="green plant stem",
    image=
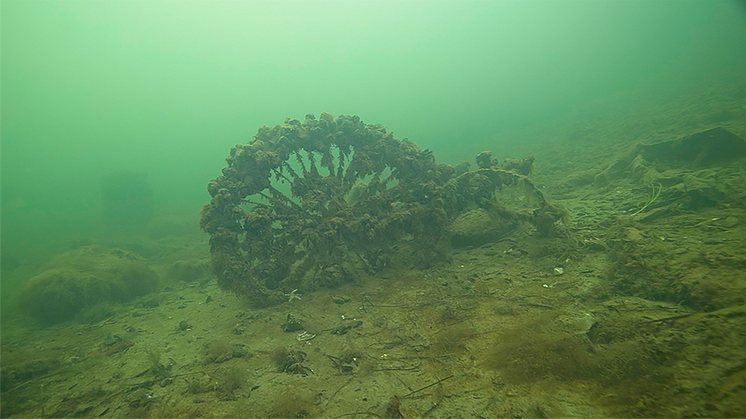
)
(655, 194)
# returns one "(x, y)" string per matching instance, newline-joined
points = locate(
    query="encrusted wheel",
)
(316, 203)
(309, 204)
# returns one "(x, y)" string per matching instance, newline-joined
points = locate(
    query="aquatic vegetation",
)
(290, 361)
(525, 356)
(224, 381)
(653, 196)
(452, 339)
(639, 266)
(292, 403)
(539, 350)
(219, 351)
(158, 368)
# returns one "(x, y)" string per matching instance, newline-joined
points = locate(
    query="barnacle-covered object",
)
(316, 203)
(313, 203)
(481, 189)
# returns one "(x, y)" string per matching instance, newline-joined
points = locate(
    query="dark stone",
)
(701, 149)
(292, 324)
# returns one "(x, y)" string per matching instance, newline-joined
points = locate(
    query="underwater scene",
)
(373, 209)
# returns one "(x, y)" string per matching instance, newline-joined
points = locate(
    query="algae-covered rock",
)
(189, 270)
(83, 278)
(478, 227)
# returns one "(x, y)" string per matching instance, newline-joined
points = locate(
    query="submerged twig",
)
(338, 390)
(428, 386)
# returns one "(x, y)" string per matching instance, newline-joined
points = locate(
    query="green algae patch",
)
(84, 278)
